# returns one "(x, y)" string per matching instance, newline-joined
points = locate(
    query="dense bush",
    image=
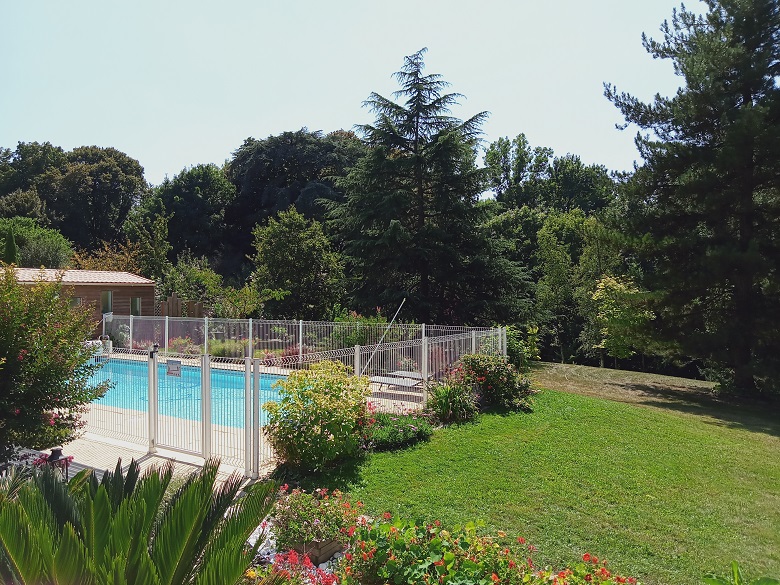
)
(398, 551)
(393, 430)
(495, 380)
(452, 401)
(316, 418)
(45, 367)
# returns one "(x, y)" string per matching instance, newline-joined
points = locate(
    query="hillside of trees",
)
(674, 267)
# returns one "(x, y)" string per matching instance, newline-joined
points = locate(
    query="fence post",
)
(473, 342)
(425, 365)
(250, 351)
(256, 434)
(205, 404)
(166, 334)
(248, 416)
(152, 400)
(422, 331)
(357, 360)
(131, 332)
(300, 341)
(205, 335)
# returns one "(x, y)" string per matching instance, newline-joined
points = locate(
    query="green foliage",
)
(228, 347)
(125, 530)
(301, 518)
(11, 251)
(45, 367)
(316, 418)
(38, 246)
(522, 349)
(452, 401)
(496, 381)
(89, 199)
(399, 551)
(293, 168)
(520, 175)
(196, 200)
(146, 227)
(736, 578)
(621, 317)
(294, 257)
(385, 431)
(706, 202)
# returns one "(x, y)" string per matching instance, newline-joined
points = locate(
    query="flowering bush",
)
(45, 367)
(496, 381)
(392, 430)
(290, 568)
(396, 551)
(300, 517)
(183, 345)
(453, 401)
(316, 418)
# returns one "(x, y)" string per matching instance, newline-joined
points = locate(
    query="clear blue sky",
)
(178, 83)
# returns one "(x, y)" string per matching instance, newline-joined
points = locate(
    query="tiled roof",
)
(81, 276)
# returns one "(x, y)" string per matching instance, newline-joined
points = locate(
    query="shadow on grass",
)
(752, 416)
(342, 476)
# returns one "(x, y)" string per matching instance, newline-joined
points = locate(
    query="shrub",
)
(452, 401)
(398, 551)
(300, 517)
(228, 347)
(183, 345)
(521, 351)
(393, 430)
(45, 367)
(497, 382)
(316, 419)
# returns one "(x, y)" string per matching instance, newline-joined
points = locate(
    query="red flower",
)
(586, 557)
(387, 515)
(521, 540)
(495, 578)
(588, 578)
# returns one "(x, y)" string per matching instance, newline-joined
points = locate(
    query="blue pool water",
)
(181, 396)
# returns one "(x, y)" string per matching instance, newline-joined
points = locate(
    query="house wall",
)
(90, 296)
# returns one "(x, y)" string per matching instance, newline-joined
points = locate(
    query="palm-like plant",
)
(122, 530)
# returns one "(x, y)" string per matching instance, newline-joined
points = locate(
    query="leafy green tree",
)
(131, 528)
(23, 204)
(89, 199)
(196, 200)
(294, 259)
(520, 175)
(409, 225)
(30, 166)
(38, 246)
(620, 315)
(147, 229)
(294, 168)
(45, 367)
(560, 246)
(708, 195)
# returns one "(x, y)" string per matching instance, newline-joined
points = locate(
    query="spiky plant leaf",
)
(72, 562)
(58, 496)
(19, 549)
(174, 546)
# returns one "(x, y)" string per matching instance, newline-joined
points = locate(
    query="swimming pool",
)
(180, 397)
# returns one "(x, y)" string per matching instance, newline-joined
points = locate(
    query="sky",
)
(178, 83)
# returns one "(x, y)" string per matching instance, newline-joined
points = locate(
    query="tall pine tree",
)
(410, 222)
(709, 190)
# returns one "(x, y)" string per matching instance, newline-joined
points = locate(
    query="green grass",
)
(664, 492)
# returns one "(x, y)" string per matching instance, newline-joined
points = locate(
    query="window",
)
(107, 301)
(75, 301)
(135, 306)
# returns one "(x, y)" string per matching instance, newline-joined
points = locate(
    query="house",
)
(106, 291)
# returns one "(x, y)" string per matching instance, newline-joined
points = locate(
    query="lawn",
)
(647, 472)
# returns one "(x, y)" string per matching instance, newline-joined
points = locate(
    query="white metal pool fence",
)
(164, 409)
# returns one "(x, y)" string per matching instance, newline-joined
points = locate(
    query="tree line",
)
(673, 265)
